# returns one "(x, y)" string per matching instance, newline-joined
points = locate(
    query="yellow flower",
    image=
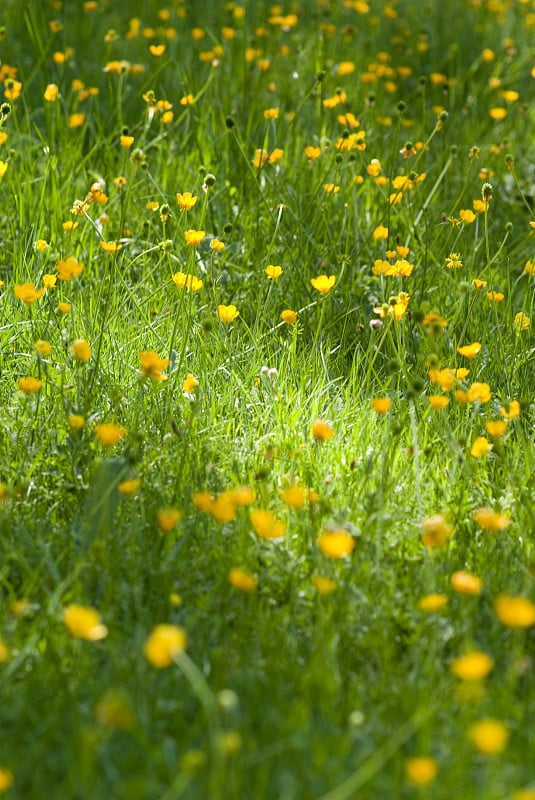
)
(321, 430)
(489, 736)
(288, 316)
(5, 654)
(126, 141)
(152, 365)
(6, 779)
(470, 350)
(111, 247)
(524, 794)
(185, 201)
(346, 68)
(312, 152)
(435, 322)
(479, 393)
(381, 405)
(433, 602)
(480, 447)
(336, 544)
(421, 770)
(496, 428)
(324, 585)
(227, 313)
(76, 120)
(187, 100)
(190, 383)
(168, 518)
(497, 113)
(266, 524)
(76, 421)
(467, 216)
(43, 348)
(84, 622)
(64, 308)
(271, 113)
(81, 350)
(69, 268)
(438, 401)
(69, 225)
(193, 237)
(515, 612)
(130, 486)
(109, 434)
(436, 531)
(513, 412)
(189, 281)
(28, 293)
(41, 244)
(157, 50)
(217, 245)
(466, 583)
(49, 281)
(381, 232)
(491, 520)
(273, 272)
(323, 283)
(473, 666)
(29, 385)
(241, 580)
(260, 158)
(294, 496)
(522, 321)
(275, 156)
(453, 261)
(495, 297)
(163, 644)
(51, 93)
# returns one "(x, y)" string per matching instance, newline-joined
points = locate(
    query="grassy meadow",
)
(267, 506)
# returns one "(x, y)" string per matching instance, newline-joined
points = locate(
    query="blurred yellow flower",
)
(491, 520)
(489, 736)
(336, 544)
(515, 612)
(466, 583)
(433, 602)
(81, 350)
(436, 531)
(473, 666)
(242, 580)
(84, 622)
(321, 430)
(109, 434)
(421, 770)
(163, 644)
(266, 524)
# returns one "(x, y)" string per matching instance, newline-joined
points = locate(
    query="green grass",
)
(283, 690)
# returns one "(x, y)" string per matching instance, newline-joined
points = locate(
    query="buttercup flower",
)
(421, 770)
(84, 622)
(227, 313)
(185, 201)
(163, 644)
(323, 283)
(152, 365)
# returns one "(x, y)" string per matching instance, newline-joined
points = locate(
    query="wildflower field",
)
(267, 512)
